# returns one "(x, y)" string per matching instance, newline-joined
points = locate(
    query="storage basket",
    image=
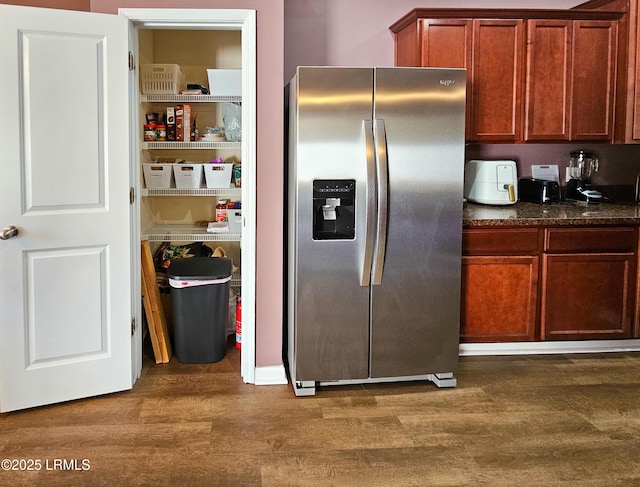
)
(225, 82)
(161, 79)
(157, 176)
(218, 175)
(188, 176)
(234, 218)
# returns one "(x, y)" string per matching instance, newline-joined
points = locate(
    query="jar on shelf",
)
(150, 132)
(221, 211)
(161, 132)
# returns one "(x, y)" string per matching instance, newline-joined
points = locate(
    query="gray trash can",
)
(200, 295)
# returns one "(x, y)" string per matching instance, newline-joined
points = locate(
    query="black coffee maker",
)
(582, 165)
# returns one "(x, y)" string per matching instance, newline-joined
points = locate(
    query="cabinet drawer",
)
(513, 241)
(619, 239)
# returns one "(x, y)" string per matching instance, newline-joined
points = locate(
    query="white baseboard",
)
(276, 374)
(533, 348)
(270, 376)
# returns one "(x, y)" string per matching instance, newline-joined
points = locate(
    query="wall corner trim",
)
(270, 375)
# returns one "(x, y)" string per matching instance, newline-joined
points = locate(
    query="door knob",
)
(9, 232)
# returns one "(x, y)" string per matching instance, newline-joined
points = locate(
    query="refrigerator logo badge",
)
(447, 82)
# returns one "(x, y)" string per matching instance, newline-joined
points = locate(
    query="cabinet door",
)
(446, 43)
(634, 61)
(587, 296)
(499, 297)
(498, 49)
(548, 80)
(407, 45)
(593, 77)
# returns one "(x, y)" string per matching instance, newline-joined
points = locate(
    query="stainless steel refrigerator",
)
(374, 225)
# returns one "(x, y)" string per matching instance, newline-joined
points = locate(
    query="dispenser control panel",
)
(334, 209)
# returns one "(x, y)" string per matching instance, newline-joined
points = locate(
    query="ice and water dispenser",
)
(334, 209)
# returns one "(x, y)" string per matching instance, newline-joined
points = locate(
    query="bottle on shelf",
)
(221, 211)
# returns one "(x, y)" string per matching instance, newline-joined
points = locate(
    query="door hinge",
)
(131, 65)
(133, 326)
(132, 195)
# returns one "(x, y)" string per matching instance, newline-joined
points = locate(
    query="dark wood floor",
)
(512, 421)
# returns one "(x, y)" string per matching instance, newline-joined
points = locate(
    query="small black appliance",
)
(538, 191)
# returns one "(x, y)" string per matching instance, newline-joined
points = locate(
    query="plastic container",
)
(188, 176)
(200, 295)
(157, 176)
(218, 175)
(225, 82)
(234, 217)
(161, 79)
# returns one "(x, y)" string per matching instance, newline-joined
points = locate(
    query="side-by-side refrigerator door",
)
(419, 121)
(331, 293)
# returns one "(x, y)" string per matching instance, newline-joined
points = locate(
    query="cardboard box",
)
(186, 134)
(171, 123)
(180, 123)
(225, 82)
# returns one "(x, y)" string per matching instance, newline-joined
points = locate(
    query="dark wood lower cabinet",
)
(500, 269)
(499, 298)
(549, 284)
(589, 283)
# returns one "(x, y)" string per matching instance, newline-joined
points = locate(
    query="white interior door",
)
(65, 302)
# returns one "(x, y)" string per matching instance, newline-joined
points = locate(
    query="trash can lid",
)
(200, 268)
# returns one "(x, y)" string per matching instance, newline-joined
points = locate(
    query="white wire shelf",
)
(190, 99)
(191, 145)
(187, 233)
(231, 191)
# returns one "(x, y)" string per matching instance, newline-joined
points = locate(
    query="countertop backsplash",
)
(619, 163)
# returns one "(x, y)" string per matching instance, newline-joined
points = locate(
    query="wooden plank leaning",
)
(154, 311)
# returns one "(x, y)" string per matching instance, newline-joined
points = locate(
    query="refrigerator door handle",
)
(382, 177)
(365, 277)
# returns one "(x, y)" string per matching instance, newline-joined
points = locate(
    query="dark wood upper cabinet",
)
(571, 76)
(548, 81)
(533, 75)
(444, 43)
(594, 79)
(496, 83)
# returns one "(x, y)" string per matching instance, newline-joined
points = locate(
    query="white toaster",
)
(491, 182)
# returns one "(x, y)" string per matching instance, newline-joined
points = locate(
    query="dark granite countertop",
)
(559, 214)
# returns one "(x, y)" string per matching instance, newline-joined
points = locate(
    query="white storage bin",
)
(225, 82)
(234, 217)
(161, 79)
(157, 176)
(188, 176)
(218, 175)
